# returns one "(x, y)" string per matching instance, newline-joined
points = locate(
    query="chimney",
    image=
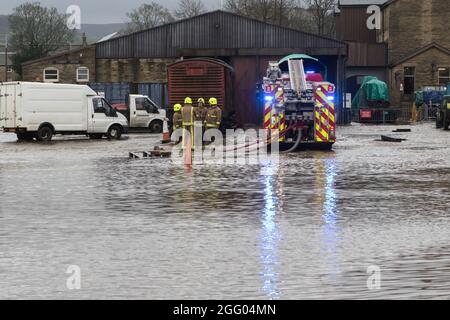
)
(84, 40)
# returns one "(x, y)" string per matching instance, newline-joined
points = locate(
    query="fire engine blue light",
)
(268, 98)
(310, 72)
(331, 98)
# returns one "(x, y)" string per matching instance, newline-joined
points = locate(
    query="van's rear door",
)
(8, 105)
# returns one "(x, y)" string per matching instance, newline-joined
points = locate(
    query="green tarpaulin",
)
(372, 90)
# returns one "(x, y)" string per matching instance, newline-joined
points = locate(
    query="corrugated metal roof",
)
(213, 30)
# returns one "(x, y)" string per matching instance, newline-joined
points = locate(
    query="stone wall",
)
(67, 64)
(426, 72)
(133, 70)
(11, 75)
(410, 25)
(413, 24)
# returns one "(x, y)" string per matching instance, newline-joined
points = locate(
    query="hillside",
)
(94, 32)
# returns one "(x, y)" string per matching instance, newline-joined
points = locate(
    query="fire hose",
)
(268, 141)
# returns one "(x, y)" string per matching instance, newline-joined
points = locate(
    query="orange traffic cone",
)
(166, 133)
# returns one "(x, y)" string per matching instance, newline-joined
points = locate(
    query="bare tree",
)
(148, 16)
(189, 8)
(322, 13)
(37, 31)
(271, 11)
(300, 18)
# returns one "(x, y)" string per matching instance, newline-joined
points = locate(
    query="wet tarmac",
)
(310, 228)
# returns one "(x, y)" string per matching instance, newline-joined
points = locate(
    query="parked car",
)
(41, 110)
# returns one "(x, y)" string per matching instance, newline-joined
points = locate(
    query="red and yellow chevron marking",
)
(329, 88)
(321, 130)
(268, 108)
(268, 115)
(282, 125)
(279, 94)
(324, 113)
(275, 122)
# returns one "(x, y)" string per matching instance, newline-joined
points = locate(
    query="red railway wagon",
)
(202, 77)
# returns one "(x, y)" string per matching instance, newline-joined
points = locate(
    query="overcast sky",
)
(100, 11)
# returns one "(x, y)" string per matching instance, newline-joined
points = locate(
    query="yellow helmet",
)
(188, 100)
(177, 107)
(213, 101)
(201, 100)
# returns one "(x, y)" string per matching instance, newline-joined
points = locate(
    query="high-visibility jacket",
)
(177, 120)
(187, 115)
(200, 113)
(213, 117)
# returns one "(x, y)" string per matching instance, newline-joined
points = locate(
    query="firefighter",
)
(213, 115)
(200, 111)
(200, 116)
(177, 120)
(187, 115)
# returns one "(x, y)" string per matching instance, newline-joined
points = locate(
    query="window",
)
(101, 106)
(51, 75)
(444, 76)
(83, 74)
(144, 104)
(98, 105)
(409, 80)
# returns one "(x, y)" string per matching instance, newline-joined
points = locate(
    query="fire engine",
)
(299, 107)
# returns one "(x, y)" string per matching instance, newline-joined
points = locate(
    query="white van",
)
(40, 110)
(142, 113)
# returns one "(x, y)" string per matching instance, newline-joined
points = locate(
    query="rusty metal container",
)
(200, 78)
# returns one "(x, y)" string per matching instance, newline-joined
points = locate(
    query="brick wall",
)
(66, 63)
(133, 70)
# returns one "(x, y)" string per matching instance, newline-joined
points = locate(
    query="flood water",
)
(307, 229)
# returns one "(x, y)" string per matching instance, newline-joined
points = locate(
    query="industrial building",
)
(410, 51)
(6, 70)
(139, 60)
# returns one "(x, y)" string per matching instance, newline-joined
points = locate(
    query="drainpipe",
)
(6, 58)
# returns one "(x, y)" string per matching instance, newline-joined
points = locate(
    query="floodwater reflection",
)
(270, 233)
(326, 200)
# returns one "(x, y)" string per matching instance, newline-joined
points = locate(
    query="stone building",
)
(134, 70)
(417, 34)
(409, 51)
(6, 70)
(73, 66)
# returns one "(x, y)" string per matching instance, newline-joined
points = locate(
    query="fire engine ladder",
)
(297, 75)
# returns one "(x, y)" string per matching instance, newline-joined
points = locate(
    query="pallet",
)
(158, 153)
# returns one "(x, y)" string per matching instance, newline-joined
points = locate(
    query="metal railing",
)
(427, 112)
(383, 116)
(398, 115)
